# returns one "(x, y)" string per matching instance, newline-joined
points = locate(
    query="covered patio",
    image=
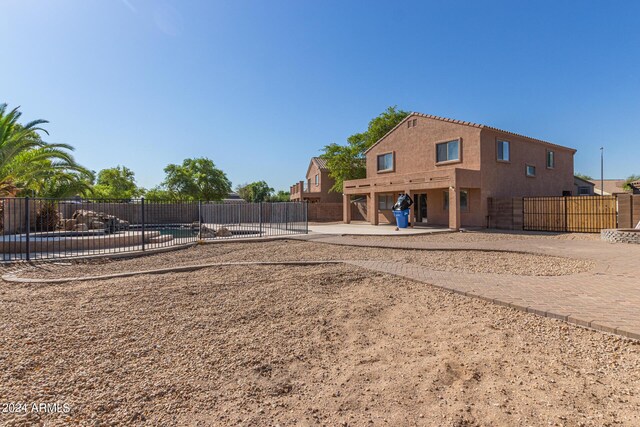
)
(450, 198)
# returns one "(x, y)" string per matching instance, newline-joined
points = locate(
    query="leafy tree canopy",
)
(30, 166)
(583, 176)
(280, 196)
(196, 179)
(255, 192)
(629, 180)
(158, 193)
(347, 162)
(117, 183)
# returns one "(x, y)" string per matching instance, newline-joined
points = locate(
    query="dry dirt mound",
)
(331, 345)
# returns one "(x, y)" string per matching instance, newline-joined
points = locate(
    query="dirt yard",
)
(486, 235)
(292, 250)
(322, 345)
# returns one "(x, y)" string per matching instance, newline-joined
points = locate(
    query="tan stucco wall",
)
(500, 179)
(324, 185)
(415, 147)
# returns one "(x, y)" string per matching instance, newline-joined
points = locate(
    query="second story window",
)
(385, 162)
(551, 159)
(317, 180)
(503, 149)
(531, 170)
(448, 151)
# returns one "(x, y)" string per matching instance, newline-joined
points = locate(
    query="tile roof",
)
(611, 186)
(322, 163)
(462, 122)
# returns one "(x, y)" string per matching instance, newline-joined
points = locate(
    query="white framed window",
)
(503, 150)
(448, 151)
(317, 179)
(385, 202)
(464, 200)
(584, 191)
(530, 170)
(385, 162)
(551, 159)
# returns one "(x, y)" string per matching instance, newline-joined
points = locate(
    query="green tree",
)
(66, 184)
(583, 176)
(347, 162)
(627, 182)
(117, 183)
(280, 196)
(28, 164)
(159, 193)
(255, 192)
(196, 179)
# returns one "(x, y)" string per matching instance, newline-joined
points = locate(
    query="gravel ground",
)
(322, 345)
(485, 236)
(291, 250)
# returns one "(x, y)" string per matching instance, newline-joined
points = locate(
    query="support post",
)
(346, 209)
(27, 220)
(306, 217)
(412, 211)
(454, 208)
(142, 222)
(372, 208)
(260, 218)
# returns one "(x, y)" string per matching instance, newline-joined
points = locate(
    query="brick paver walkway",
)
(606, 298)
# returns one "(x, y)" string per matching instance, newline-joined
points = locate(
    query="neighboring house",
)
(611, 187)
(583, 187)
(233, 198)
(451, 168)
(315, 188)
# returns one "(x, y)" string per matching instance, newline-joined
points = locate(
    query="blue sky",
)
(261, 86)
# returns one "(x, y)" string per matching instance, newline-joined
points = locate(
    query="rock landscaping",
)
(621, 235)
(83, 220)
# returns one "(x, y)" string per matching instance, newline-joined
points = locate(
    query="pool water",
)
(178, 232)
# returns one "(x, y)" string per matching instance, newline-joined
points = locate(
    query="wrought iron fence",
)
(42, 228)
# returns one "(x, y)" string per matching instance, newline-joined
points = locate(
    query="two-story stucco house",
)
(451, 168)
(317, 185)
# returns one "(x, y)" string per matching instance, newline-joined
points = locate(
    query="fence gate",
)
(581, 214)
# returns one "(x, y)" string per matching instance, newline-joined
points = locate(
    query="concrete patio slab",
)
(365, 229)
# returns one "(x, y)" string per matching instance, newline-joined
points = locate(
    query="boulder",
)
(223, 232)
(100, 220)
(206, 232)
(96, 225)
(67, 224)
(80, 227)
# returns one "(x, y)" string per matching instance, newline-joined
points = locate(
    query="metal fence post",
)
(260, 217)
(286, 216)
(27, 220)
(142, 220)
(199, 219)
(306, 217)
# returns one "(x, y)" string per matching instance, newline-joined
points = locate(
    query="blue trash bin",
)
(402, 218)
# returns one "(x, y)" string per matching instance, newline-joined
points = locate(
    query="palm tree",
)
(29, 164)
